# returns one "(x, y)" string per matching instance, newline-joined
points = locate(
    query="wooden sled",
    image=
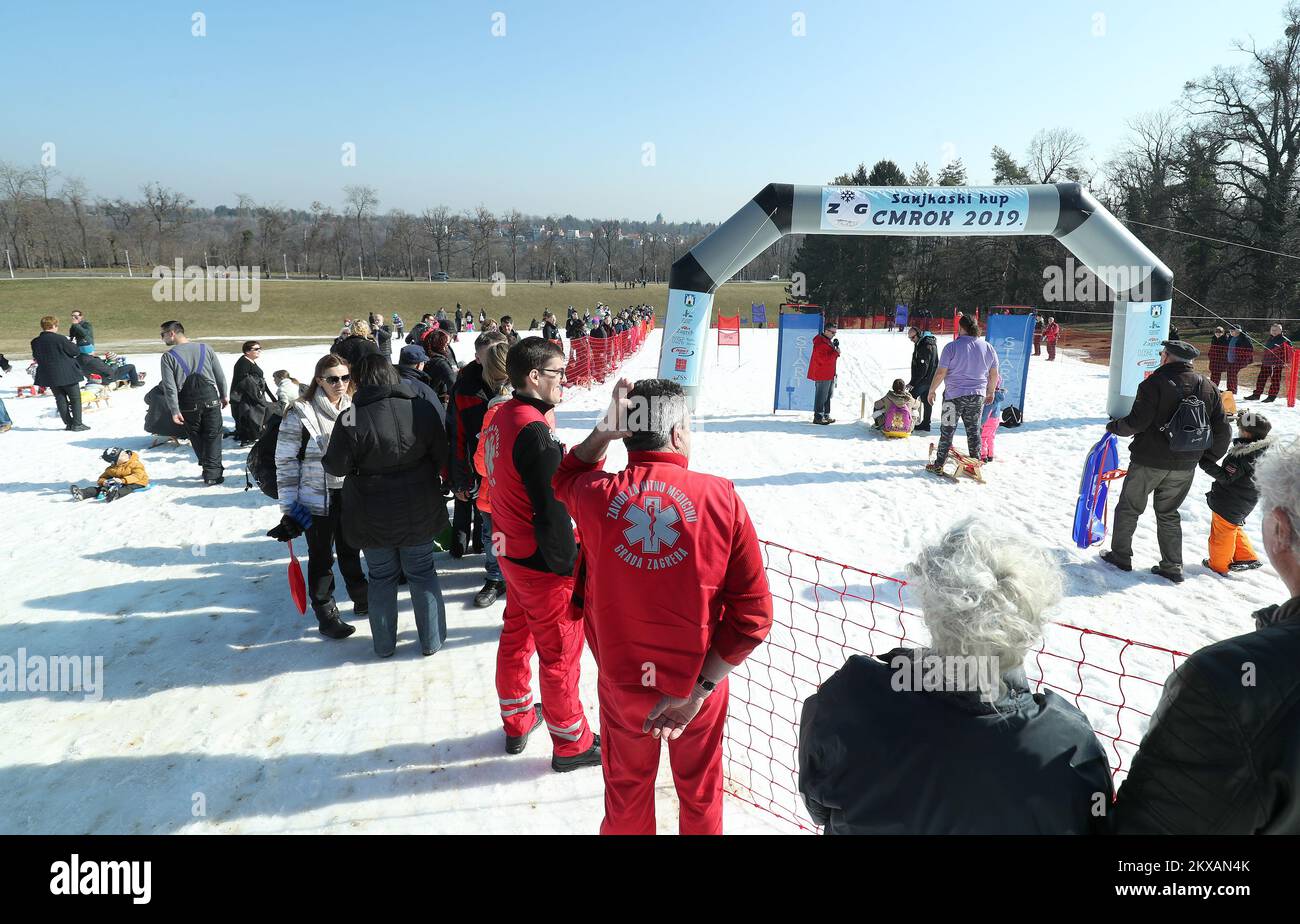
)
(962, 466)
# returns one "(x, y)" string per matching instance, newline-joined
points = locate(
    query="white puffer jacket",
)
(302, 481)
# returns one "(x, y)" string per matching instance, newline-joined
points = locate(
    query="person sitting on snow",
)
(125, 473)
(896, 413)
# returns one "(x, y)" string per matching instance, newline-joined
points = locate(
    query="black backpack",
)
(196, 389)
(260, 468)
(1189, 427)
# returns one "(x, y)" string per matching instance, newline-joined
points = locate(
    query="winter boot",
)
(1174, 576)
(1112, 559)
(1270, 398)
(1254, 397)
(490, 592)
(515, 744)
(78, 493)
(1245, 565)
(331, 626)
(588, 758)
(112, 491)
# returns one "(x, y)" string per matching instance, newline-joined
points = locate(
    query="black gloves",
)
(288, 529)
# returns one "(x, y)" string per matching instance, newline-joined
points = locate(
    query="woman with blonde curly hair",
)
(951, 738)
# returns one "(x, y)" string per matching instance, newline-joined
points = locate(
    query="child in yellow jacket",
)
(125, 473)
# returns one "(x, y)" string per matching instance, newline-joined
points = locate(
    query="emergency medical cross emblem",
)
(652, 526)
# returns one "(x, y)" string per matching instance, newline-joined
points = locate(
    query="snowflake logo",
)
(848, 195)
(652, 526)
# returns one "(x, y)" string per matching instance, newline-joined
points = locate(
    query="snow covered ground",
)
(223, 710)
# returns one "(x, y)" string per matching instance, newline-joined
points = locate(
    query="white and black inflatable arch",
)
(1143, 286)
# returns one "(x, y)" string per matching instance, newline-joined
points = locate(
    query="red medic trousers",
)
(629, 759)
(537, 619)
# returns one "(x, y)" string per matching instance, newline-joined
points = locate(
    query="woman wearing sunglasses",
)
(305, 435)
(249, 395)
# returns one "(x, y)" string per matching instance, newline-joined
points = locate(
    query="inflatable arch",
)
(1143, 286)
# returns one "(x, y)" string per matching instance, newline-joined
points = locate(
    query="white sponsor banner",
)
(1146, 325)
(925, 209)
(686, 326)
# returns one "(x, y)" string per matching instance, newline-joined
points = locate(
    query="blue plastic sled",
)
(100, 499)
(1101, 468)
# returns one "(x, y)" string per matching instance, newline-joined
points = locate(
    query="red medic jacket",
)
(520, 456)
(673, 568)
(821, 366)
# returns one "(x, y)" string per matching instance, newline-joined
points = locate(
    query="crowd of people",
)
(656, 568)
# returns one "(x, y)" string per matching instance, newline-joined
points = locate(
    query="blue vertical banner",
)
(794, 390)
(1011, 336)
(686, 327)
(757, 313)
(900, 315)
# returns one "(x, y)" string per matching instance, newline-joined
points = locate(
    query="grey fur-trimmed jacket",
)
(305, 482)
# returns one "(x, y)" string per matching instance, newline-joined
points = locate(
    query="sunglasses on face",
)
(335, 379)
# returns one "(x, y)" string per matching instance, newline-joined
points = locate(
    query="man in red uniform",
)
(675, 596)
(536, 553)
(821, 370)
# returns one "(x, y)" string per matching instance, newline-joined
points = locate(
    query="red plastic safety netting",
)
(826, 611)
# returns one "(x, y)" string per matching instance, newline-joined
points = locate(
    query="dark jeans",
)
(203, 429)
(1170, 489)
(416, 562)
(98, 489)
(67, 398)
(466, 521)
(822, 392)
(324, 541)
(126, 372)
(968, 408)
(489, 552)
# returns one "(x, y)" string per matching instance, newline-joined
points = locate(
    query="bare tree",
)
(482, 226)
(167, 208)
(16, 184)
(77, 197)
(437, 224)
(362, 202)
(1056, 155)
(405, 231)
(515, 225)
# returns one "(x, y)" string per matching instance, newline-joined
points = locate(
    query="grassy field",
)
(124, 311)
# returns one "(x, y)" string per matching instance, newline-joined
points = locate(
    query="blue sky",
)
(554, 115)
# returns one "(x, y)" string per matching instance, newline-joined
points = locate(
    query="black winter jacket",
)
(1222, 752)
(56, 358)
(419, 382)
(353, 348)
(1234, 494)
(1157, 399)
(925, 360)
(465, 410)
(82, 333)
(389, 458)
(874, 760)
(441, 372)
